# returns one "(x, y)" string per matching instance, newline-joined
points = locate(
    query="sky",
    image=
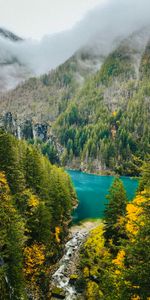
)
(36, 18)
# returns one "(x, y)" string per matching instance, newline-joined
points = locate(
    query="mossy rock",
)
(58, 293)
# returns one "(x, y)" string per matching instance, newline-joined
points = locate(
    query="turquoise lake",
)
(92, 190)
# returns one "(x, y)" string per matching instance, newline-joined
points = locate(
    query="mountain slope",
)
(10, 35)
(101, 119)
(107, 124)
(12, 69)
(46, 97)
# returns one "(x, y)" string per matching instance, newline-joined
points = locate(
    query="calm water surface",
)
(92, 190)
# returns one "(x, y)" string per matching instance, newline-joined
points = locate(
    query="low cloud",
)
(99, 29)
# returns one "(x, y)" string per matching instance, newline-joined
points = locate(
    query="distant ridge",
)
(9, 35)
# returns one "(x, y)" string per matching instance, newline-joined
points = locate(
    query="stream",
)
(67, 264)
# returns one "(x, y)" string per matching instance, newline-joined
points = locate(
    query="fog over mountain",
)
(100, 30)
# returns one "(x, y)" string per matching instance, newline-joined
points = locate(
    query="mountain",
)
(9, 35)
(44, 98)
(106, 126)
(97, 106)
(12, 69)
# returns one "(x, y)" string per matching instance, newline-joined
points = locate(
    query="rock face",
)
(8, 123)
(32, 131)
(41, 131)
(25, 129)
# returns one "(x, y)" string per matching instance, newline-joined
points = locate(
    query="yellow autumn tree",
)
(33, 201)
(34, 258)
(119, 260)
(57, 234)
(12, 241)
(92, 291)
(134, 216)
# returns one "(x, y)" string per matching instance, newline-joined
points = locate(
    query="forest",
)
(115, 259)
(108, 120)
(36, 201)
(90, 114)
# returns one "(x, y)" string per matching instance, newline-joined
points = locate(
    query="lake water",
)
(92, 190)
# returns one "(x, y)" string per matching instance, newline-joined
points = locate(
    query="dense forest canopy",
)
(108, 121)
(115, 259)
(36, 200)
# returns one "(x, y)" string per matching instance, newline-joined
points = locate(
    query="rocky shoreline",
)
(98, 173)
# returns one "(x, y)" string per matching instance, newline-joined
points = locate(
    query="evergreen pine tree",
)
(115, 209)
(10, 162)
(11, 245)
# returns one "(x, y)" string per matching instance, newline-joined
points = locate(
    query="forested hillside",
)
(106, 126)
(44, 98)
(99, 119)
(115, 259)
(36, 200)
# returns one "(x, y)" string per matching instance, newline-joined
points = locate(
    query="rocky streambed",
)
(62, 279)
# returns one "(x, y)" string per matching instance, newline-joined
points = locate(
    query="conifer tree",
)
(145, 179)
(39, 224)
(115, 209)
(11, 244)
(35, 208)
(138, 256)
(138, 251)
(10, 162)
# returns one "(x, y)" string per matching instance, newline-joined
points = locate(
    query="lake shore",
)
(99, 173)
(91, 193)
(86, 225)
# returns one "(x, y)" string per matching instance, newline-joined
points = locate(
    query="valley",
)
(75, 157)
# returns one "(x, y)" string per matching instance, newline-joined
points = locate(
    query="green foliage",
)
(101, 119)
(36, 202)
(122, 274)
(49, 149)
(11, 163)
(11, 244)
(145, 63)
(115, 209)
(117, 64)
(138, 257)
(145, 179)
(107, 122)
